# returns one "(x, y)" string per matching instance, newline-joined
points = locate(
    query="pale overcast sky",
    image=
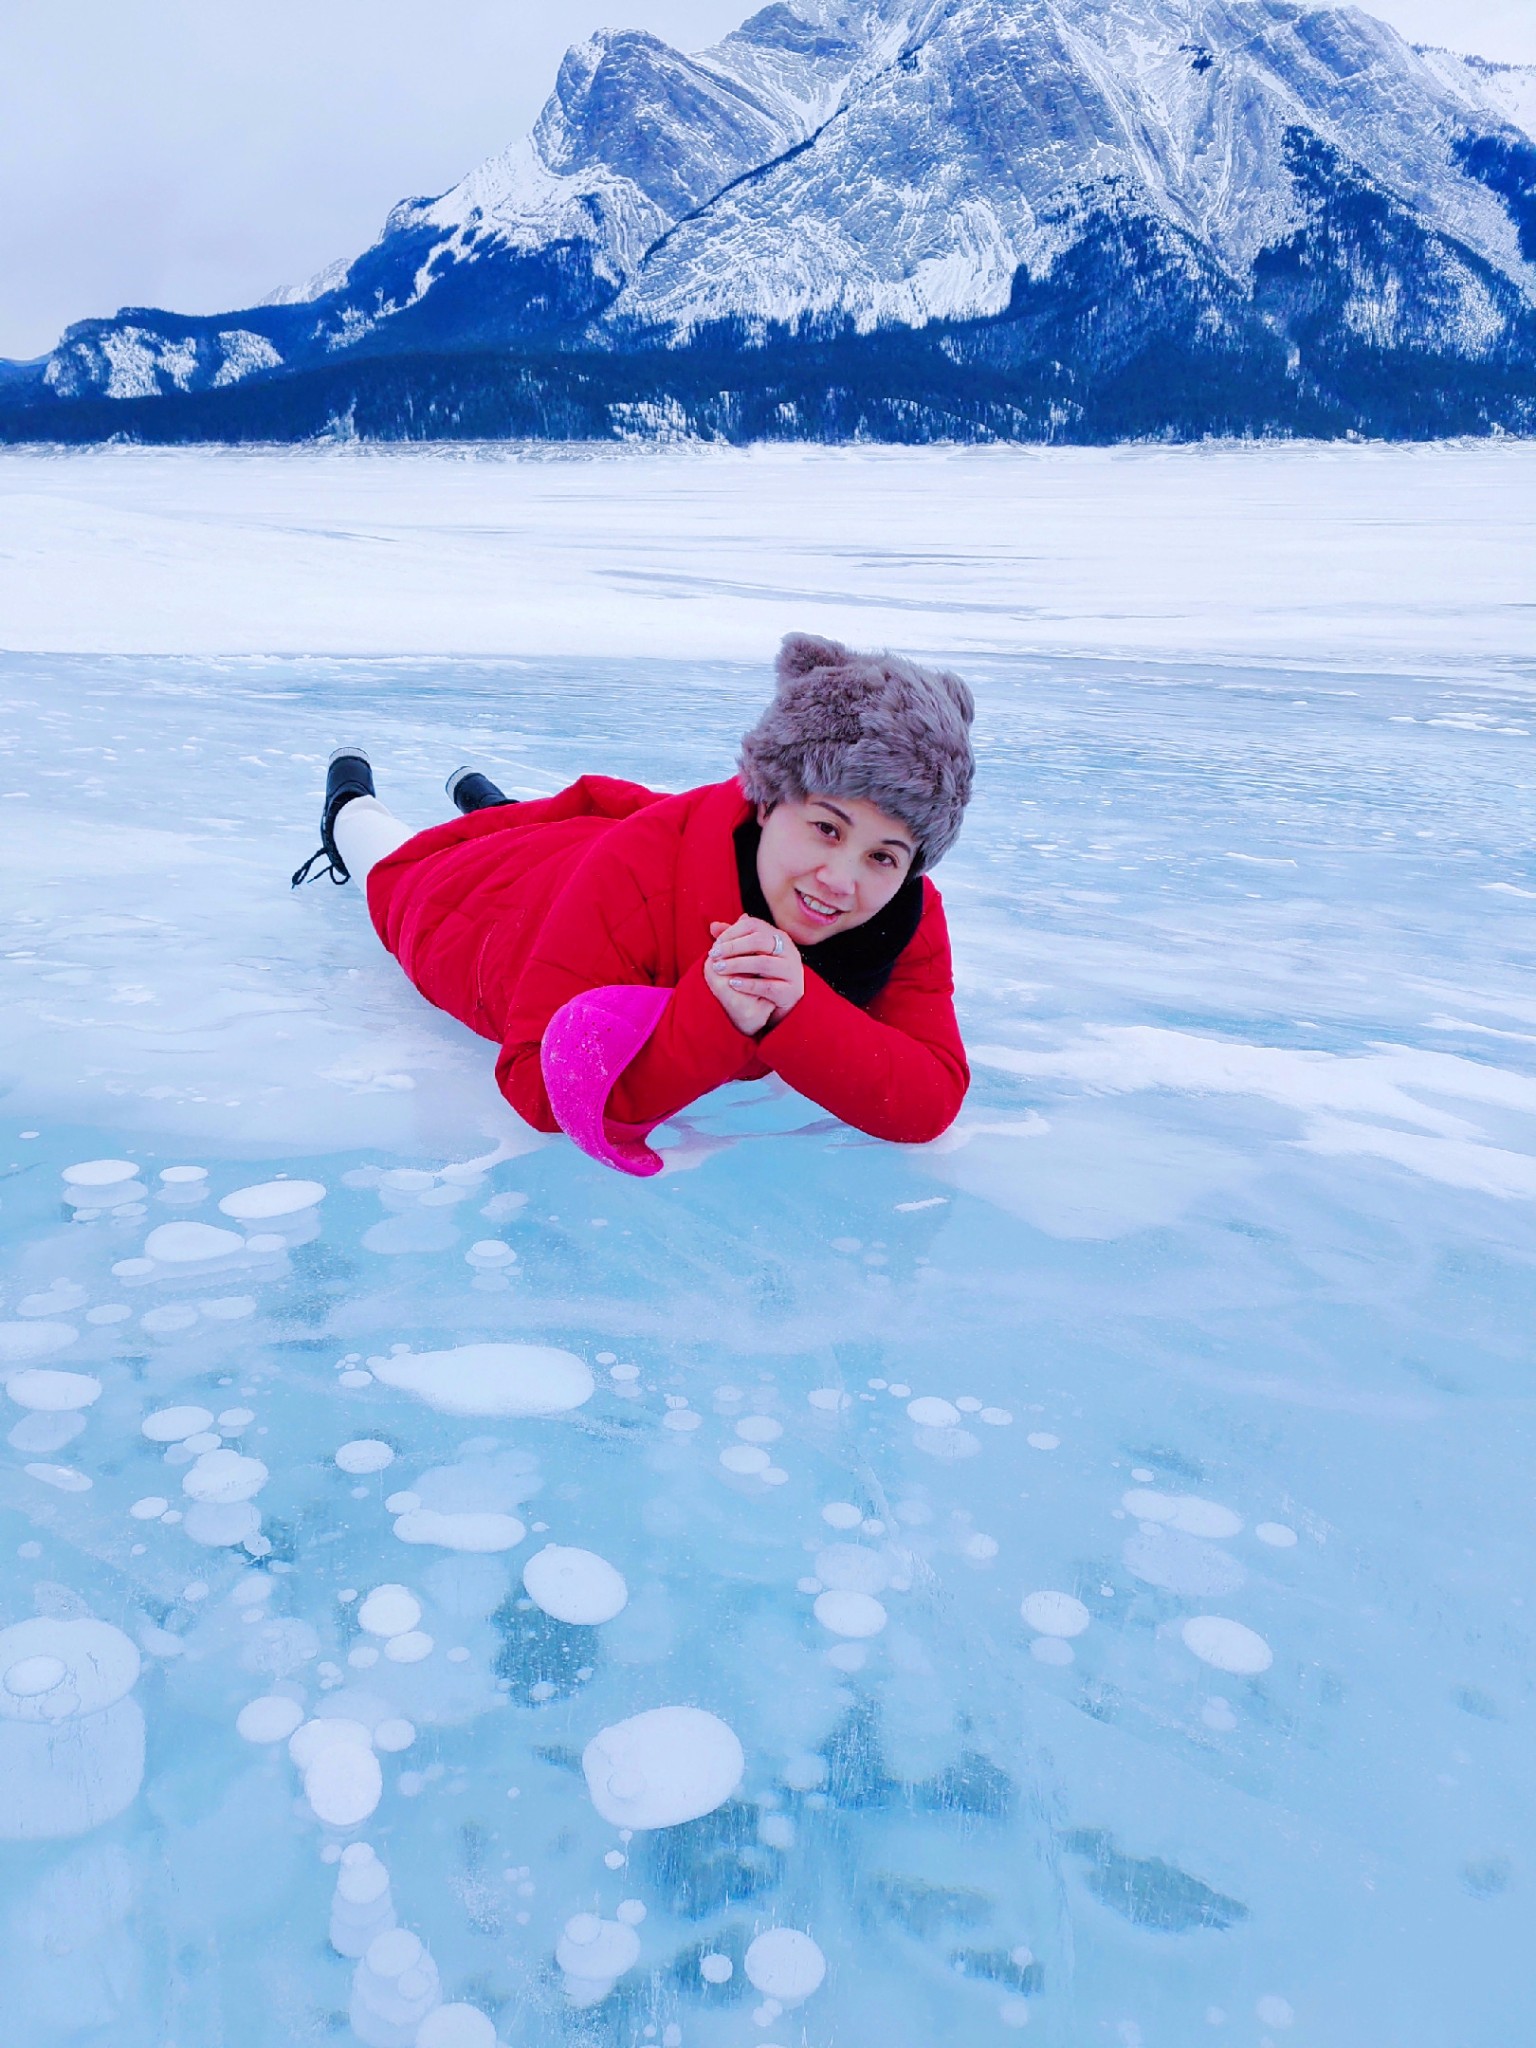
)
(196, 156)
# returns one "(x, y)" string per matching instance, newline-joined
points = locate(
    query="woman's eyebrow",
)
(904, 844)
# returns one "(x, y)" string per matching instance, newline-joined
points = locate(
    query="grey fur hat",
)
(869, 725)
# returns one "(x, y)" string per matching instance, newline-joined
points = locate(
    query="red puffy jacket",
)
(501, 917)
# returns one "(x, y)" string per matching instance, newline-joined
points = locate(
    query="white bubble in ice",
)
(1227, 1645)
(236, 1419)
(411, 1648)
(389, 1611)
(64, 1477)
(272, 1198)
(596, 1951)
(306, 1742)
(1159, 1555)
(949, 1445)
(842, 1514)
(402, 1503)
(100, 1173)
(456, 2026)
(473, 1530)
(829, 1399)
(858, 1615)
(981, 1549)
(630, 1911)
(394, 1988)
(109, 1312)
(394, 1734)
(223, 1477)
(71, 1735)
(661, 1768)
(785, 1964)
(1051, 1650)
(929, 1412)
(998, 1418)
(228, 1308)
(183, 1176)
(1276, 1535)
(150, 1508)
(759, 1429)
(1218, 1715)
(190, 1244)
(491, 1379)
(716, 1969)
(344, 1784)
(1185, 1512)
(63, 1297)
(272, 1718)
(853, 1568)
(1275, 2012)
(1055, 1614)
(576, 1586)
(165, 1322)
(21, 1343)
(1043, 1440)
(745, 1458)
(364, 1454)
(682, 1420)
(51, 1391)
(174, 1425)
(1205, 1518)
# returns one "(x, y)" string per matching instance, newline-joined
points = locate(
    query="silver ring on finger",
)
(778, 942)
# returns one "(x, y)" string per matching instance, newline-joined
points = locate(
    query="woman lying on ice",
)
(631, 951)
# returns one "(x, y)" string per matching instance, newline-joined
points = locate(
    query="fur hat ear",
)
(803, 653)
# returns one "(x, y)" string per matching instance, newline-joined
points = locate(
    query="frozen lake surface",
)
(1071, 1578)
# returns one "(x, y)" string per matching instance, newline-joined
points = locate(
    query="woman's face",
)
(829, 863)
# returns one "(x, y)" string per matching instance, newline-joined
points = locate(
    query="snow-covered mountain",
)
(917, 217)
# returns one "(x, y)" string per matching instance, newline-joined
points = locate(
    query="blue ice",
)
(1072, 1577)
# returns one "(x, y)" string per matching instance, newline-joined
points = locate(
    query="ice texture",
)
(1238, 1215)
(491, 1379)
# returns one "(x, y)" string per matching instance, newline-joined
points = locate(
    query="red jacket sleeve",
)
(897, 1070)
(602, 930)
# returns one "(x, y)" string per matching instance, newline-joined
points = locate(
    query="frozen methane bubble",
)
(394, 1987)
(842, 1514)
(272, 1718)
(272, 1198)
(491, 1379)
(389, 1611)
(100, 1173)
(1227, 1645)
(456, 2026)
(594, 1954)
(343, 1784)
(410, 1648)
(929, 1412)
(51, 1391)
(223, 1477)
(481, 1530)
(853, 1568)
(361, 1905)
(175, 1425)
(661, 1768)
(21, 1343)
(786, 1964)
(1184, 1511)
(191, 1244)
(364, 1454)
(220, 1524)
(856, 1615)
(1055, 1614)
(1276, 1534)
(574, 1585)
(71, 1734)
(183, 1176)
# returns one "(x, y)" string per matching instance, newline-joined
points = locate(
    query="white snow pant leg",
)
(365, 831)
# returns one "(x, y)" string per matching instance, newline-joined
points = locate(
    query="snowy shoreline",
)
(1409, 558)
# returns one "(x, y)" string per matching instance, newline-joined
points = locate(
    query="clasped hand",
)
(753, 984)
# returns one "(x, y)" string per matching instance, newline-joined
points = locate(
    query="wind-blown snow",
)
(1080, 1549)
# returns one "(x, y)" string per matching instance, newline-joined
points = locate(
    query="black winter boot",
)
(348, 775)
(472, 791)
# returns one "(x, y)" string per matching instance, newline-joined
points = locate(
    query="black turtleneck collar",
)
(856, 963)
